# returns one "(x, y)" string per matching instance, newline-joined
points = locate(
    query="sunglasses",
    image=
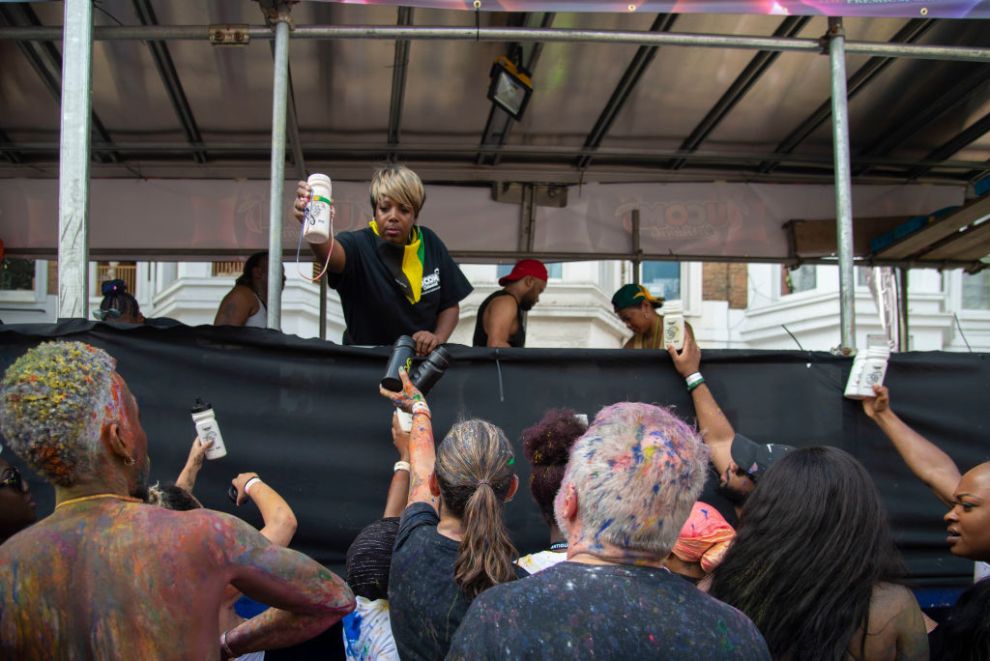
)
(13, 478)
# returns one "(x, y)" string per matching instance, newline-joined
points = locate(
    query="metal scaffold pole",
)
(843, 183)
(280, 93)
(73, 188)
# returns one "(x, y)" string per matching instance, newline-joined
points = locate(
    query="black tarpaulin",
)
(306, 415)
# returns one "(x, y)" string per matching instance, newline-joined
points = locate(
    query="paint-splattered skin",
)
(422, 450)
(98, 578)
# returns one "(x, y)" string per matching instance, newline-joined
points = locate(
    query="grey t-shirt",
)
(578, 611)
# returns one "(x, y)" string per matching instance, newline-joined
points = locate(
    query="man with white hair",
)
(107, 576)
(629, 486)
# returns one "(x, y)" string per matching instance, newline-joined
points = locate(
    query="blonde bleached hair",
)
(400, 184)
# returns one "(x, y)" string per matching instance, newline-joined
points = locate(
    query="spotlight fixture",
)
(511, 87)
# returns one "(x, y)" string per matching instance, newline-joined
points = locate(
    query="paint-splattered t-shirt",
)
(578, 611)
(426, 603)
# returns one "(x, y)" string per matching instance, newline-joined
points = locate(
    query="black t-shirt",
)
(425, 603)
(517, 339)
(375, 309)
(578, 611)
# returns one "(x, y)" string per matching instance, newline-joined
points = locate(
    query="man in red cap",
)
(500, 317)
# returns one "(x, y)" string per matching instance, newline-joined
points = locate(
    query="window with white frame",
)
(662, 279)
(976, 290)
(797, 279)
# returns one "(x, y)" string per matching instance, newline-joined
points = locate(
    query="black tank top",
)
(517, 339)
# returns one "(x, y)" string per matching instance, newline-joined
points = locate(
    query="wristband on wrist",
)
(693, 378)
(695, 384)
(421, 407)
(250, 483)
(401, 466)
(225, 647)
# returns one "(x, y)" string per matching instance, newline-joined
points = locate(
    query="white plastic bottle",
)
(673, 324)
(316, 222)
(868, 369)
(208, 429)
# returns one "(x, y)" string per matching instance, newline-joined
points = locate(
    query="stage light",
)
(510, 88)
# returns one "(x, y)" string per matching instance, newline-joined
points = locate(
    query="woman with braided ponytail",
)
(452, 542)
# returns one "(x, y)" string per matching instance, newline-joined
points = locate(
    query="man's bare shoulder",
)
(146, 525)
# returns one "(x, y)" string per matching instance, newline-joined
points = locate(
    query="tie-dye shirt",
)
(578, 611)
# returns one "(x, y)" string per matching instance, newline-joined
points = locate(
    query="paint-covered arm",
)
(928, 463)
(715, 428)
(197, 454)
(422, 453)
(398, 489)
(304, 596)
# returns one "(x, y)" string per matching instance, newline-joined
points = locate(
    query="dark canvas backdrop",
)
(307, 417)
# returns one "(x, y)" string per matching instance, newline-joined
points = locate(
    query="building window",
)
(797, 279)
(662, 279)
(555, 270)
(17, 275)
(976, 291)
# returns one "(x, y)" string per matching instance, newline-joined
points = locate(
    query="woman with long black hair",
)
(814, 562)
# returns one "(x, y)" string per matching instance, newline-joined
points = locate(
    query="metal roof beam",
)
(761, 62)
(47, 63)
(8, 149)
(170, 79)
(500, 123)
(970, 135)
(902, 131)
(399, 68)
(637, 67)
(911, 32)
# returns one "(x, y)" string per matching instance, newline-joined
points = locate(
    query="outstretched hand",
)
(239, 483)
(405, 398)
(687, 361)
(873, 406)
(197, 453)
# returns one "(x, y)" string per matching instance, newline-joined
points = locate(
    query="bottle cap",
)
(319, 180)
(201, 406)
(671, 307)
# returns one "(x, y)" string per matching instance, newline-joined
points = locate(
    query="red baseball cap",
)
(524, 267)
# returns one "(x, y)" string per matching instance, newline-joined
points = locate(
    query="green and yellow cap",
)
(631, 295)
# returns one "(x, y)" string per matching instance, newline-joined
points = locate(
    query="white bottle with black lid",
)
(208, 429)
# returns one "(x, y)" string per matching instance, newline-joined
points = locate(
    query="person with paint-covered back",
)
(107, 574)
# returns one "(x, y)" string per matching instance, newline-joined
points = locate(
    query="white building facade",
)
(736, 306)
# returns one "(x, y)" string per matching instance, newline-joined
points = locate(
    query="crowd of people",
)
(634, 566)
